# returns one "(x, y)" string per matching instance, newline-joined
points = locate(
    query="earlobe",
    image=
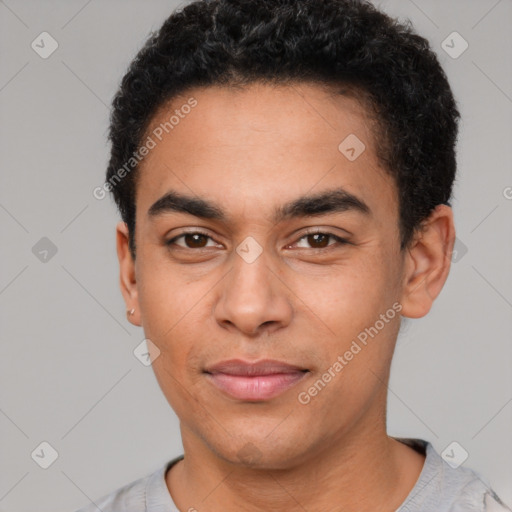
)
(127, 276)
(428, 261)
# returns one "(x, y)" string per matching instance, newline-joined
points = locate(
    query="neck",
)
(381, 470)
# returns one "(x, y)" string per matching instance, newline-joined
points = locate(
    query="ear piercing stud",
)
(130, 311)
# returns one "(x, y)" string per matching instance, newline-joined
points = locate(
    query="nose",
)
(253, 299)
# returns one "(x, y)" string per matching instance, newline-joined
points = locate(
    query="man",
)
(283, 169)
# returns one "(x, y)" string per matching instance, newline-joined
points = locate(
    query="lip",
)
(254, 381)
(240, 367)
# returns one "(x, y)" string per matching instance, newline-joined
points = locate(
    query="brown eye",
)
(194, 240)
(318, 240)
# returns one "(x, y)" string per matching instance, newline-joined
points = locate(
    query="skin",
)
(303, 300)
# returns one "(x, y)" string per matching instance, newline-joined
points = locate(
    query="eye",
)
(320, 240)
(192, 240)
(198, 240)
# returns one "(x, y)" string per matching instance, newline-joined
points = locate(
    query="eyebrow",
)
(323, 203)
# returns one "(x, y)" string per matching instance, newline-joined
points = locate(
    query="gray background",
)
(68, 373)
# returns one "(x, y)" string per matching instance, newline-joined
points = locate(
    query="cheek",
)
(166, 301)
(178, 369)
(360, 307)
(351, 298)
(356, 366)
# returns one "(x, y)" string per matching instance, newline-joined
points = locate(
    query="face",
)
(289, 252)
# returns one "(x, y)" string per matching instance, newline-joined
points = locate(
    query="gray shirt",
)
(440, 488)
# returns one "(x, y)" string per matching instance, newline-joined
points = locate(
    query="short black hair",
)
(348, 44)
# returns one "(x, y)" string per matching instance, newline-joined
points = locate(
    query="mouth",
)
(257, 381)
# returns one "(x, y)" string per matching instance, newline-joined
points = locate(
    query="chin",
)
(260, 452)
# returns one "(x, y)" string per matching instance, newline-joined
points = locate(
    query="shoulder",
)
(136, 495)
(130, 497)
(448, 487)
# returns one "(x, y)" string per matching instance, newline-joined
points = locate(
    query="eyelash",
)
(339, 240)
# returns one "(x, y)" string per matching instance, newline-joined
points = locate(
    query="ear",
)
(428, 261)
(127, 273)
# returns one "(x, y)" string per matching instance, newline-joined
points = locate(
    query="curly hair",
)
(344, 43)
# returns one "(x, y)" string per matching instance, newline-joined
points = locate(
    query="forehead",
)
(300, 113)
(262, 143)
